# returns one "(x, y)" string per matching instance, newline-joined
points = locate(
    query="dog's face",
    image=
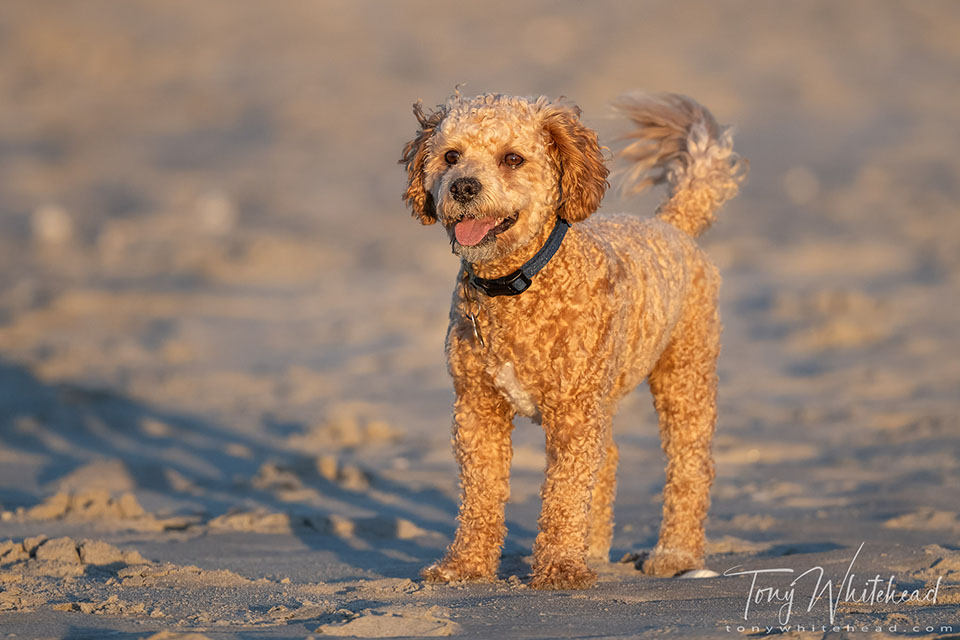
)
(494, 170)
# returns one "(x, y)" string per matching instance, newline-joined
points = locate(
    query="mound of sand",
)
(924, 519)
(40, 551)
(98, 505)
(35, 569)
(392, 622)
(169, 574)
(112, 606)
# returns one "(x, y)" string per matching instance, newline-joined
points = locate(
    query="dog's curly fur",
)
(623, 299)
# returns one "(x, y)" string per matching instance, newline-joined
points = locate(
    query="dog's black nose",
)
(464, 190)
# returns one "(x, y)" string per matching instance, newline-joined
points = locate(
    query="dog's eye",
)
(451, 156)
(513, 160)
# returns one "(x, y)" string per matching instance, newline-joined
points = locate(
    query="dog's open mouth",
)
(472, 231)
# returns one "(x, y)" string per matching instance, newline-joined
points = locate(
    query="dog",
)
(556, 315)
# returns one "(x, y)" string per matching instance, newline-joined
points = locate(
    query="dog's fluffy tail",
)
(677, 141)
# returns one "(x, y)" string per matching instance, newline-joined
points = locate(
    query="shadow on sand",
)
(50, 431)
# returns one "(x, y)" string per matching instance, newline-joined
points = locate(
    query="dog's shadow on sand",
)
(57, 429)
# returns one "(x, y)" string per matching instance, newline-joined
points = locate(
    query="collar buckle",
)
(510, 285)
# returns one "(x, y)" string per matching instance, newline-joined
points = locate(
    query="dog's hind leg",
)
(684, 386)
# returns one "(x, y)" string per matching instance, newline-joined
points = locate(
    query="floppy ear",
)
(583, 176)
(414, 154)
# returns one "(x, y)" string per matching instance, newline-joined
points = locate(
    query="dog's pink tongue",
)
(470, 231)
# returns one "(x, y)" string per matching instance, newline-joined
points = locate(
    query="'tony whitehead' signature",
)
(874, 590)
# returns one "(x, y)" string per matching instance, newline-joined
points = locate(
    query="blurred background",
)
(201, 226)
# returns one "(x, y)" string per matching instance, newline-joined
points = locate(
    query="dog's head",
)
(495, 169)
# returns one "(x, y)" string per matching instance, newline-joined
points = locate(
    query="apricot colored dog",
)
(595, 311)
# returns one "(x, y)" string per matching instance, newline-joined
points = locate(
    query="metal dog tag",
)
(476, 329)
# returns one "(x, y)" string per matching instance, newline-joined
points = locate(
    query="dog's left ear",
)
(414, 156)
(583, 179)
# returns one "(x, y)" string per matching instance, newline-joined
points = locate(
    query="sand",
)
(224, 408)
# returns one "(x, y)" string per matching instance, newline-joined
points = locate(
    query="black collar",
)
(520, 280)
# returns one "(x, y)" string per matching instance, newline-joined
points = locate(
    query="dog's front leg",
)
(575, 437)
(481, 440)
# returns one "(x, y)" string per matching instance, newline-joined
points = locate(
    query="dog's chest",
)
(505, 378)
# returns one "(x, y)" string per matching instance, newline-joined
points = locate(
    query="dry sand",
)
(224, 410)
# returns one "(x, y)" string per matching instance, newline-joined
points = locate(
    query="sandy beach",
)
(224, 405)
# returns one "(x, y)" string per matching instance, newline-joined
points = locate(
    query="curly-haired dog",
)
(558, 325)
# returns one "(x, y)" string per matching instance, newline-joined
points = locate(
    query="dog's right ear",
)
(414, 155)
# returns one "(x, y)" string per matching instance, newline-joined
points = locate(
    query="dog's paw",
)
(563, 575)
(453, 571)
(666, 563)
